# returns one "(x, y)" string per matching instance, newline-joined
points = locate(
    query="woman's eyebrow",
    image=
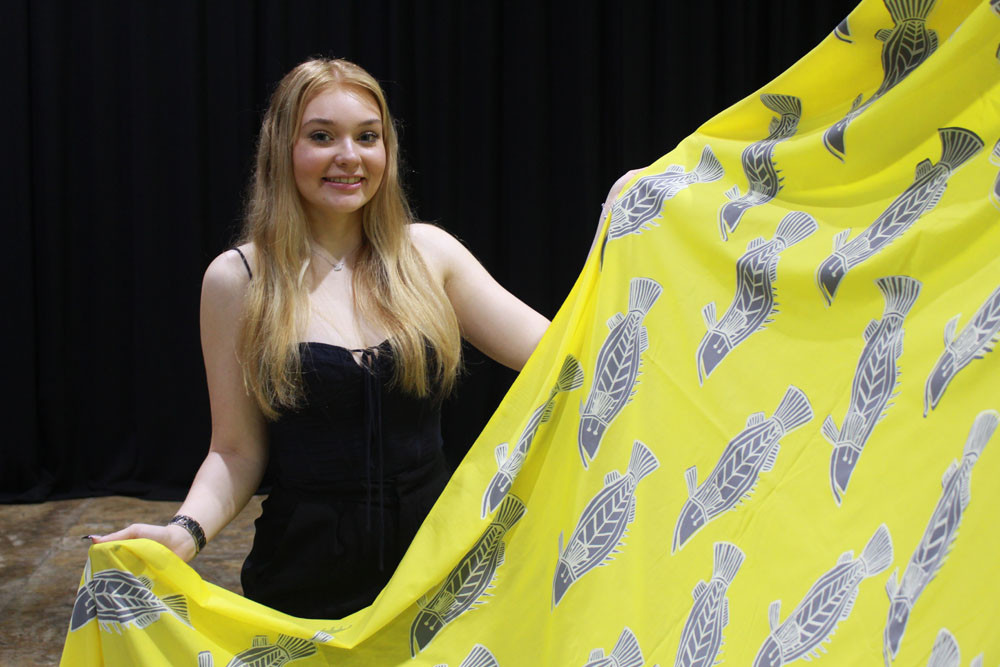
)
(327, 121)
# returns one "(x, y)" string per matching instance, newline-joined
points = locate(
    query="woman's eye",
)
(320, 136)
(368, 137)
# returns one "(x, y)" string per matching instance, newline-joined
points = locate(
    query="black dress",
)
(354, 473)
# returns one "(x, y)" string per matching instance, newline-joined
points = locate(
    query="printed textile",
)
(743, 438)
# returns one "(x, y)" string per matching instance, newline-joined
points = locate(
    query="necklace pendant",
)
(339, 266)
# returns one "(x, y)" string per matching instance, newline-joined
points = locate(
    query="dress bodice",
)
(354, 471)
(352, 419)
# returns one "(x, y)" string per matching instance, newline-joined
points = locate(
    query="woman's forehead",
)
(342, 104)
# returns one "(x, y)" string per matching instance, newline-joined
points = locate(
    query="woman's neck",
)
(336, 240)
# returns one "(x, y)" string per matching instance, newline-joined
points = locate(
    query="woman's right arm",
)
(237, 455)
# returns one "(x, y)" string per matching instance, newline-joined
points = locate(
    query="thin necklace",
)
(337, 266)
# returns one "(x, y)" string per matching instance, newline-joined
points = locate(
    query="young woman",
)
(330, 335)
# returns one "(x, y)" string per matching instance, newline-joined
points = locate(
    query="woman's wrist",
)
(192, 528)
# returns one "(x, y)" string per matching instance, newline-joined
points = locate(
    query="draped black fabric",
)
(130, 135)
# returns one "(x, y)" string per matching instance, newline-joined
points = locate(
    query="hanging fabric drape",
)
(742, 439)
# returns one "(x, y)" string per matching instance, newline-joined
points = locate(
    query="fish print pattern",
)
(995, 160)
(958, 146)
(626, 653)
(324, 636)
(701, 638)
(466, 584)
(479, 656)
(509, 465)
(262, 653)
(875, 381)
(938, 537)
(750, 453)
(117, 599)
(754, 302)
(908, 44)
(763, 181)
(602, 525)
(828, 601)
(945, 652)
(617, 369)
(975, 341)
(642, 205)
(843, 32)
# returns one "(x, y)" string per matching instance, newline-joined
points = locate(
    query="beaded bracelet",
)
(193, 528)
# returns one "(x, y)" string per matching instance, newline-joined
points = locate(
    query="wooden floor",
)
(42, 558)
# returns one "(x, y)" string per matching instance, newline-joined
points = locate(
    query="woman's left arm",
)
(495, 321)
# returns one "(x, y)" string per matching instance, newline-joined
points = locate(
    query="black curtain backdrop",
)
(130, 133)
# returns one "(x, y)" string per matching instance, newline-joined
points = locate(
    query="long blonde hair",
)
(393, 289)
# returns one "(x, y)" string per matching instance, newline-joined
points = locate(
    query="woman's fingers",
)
(619, 184)
(133, 532)
(173, 537)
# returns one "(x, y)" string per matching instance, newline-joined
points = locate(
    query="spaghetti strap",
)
(245, 263)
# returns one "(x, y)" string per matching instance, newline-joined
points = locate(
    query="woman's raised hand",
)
(615, 189)
(608, 201)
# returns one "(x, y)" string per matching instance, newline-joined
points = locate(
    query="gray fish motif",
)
(701, 638)
(828, 602)
(973, 342)
(570, 378)
(908, 44)
(945, 652)
(479, 656)
(642, 205)
(469, 580)
(763, 182)
(617, 368)
(626, 653)
(995, 159)
(750, 453)
(938, 537)
(602, 525)
(324, 636)
(875, 381)
(264, 654)
(843, 32)
(754, 302)
(117, 599)
(958, 145)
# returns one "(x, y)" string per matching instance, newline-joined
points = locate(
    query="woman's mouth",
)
(348, 183)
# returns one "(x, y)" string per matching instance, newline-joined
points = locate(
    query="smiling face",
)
(339, 157)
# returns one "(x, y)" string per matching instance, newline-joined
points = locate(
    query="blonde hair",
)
(393, 289)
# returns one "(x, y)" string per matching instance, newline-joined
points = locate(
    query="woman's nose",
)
(347, 153)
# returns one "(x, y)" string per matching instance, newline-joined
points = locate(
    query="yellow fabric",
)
(790, 530)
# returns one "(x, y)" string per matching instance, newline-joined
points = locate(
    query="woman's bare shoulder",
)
(229, 273)
(437, 246)
(427, 236)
